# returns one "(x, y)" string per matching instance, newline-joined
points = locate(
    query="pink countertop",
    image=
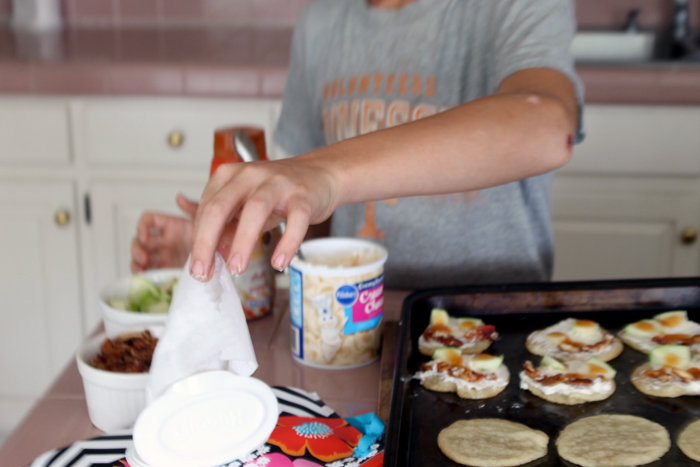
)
(245, 62)
(61, 418)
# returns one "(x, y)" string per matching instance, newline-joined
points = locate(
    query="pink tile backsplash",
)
(16, 78)
(182, 10)
(590, 13)
(178, 12)
(213, 81)
(141, 45)
(95, 11)
(93, 44)
(146, 79)
(5, 8)
(67, 78)
(139, 11)
(227, 11)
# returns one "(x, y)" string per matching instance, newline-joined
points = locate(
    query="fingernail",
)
(197, 271)
(279, 263)
(235, 264)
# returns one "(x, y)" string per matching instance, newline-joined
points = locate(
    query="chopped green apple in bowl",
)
(138, 300)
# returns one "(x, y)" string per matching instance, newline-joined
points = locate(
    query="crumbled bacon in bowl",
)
(130, 353)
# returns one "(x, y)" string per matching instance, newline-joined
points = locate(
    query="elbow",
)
(560, 133)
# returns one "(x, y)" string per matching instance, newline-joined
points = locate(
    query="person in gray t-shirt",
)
(428, 125)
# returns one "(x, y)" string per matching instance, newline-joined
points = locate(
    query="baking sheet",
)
(418, 415)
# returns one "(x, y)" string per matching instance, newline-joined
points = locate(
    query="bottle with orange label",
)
(255, 286)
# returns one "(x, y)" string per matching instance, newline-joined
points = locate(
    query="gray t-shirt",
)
(355, 69)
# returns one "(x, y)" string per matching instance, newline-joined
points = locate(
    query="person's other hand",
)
(162, 240)
(242, 200)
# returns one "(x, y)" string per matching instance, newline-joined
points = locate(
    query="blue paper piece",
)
(372, 429)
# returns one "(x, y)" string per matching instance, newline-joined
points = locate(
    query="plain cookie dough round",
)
(613, 441)
(428, 348)
(436, 383)
(572, 399)
(689, 441)
(542, 349)
(646, 385)
(492, 442)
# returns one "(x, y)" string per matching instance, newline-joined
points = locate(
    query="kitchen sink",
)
(612, 46)
(633, 47)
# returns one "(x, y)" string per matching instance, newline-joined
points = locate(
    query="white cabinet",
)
(34, 132)
(164, 133)
(103, 162)
(615, 229)
(620, 207)
(40, 318)
(638, 140)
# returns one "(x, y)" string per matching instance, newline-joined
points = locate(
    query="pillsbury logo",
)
(346, 295)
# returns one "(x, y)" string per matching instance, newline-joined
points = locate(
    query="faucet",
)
(681, 29)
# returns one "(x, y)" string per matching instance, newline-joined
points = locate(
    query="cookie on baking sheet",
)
(689, 441)
(574, 339)
(470, 335)
(670, 372)
(613, 441)
(569, 383)
(670, 328)
(492, 442)
(471, 376)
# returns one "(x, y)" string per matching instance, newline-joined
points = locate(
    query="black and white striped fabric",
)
(104, 451)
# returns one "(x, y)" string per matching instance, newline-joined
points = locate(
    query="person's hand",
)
(162, 240)
(242, 200)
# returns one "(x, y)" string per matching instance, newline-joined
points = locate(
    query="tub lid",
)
(206, 420)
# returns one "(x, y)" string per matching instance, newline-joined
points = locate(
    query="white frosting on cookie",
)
(645, 343)
(502, 376)
(599, 386)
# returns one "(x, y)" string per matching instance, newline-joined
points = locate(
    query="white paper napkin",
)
(206, 329)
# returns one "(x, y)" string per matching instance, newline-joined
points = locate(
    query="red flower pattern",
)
(327, 439)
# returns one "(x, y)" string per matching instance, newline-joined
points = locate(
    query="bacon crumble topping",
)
(458, 371)
(131, 353)
(443, 334)
(576, 347)
(574, 379)
(668, 375)
(676, 339)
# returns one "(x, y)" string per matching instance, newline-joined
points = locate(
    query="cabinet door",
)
(40, 325)
(611, 234)
(34, 132)
(115, 210)
(172, 133)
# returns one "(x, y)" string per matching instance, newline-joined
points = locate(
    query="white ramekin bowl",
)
(119, 321)
(114, 399)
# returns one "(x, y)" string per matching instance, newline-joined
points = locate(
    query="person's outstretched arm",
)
(526, 129)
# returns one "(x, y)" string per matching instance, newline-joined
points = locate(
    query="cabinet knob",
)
(62, 217)
(688, 236)
(175, 139)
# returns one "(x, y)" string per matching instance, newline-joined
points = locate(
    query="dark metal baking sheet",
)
(418, 415)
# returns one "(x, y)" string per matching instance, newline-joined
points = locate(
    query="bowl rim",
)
(87, 370)
(107, 291)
